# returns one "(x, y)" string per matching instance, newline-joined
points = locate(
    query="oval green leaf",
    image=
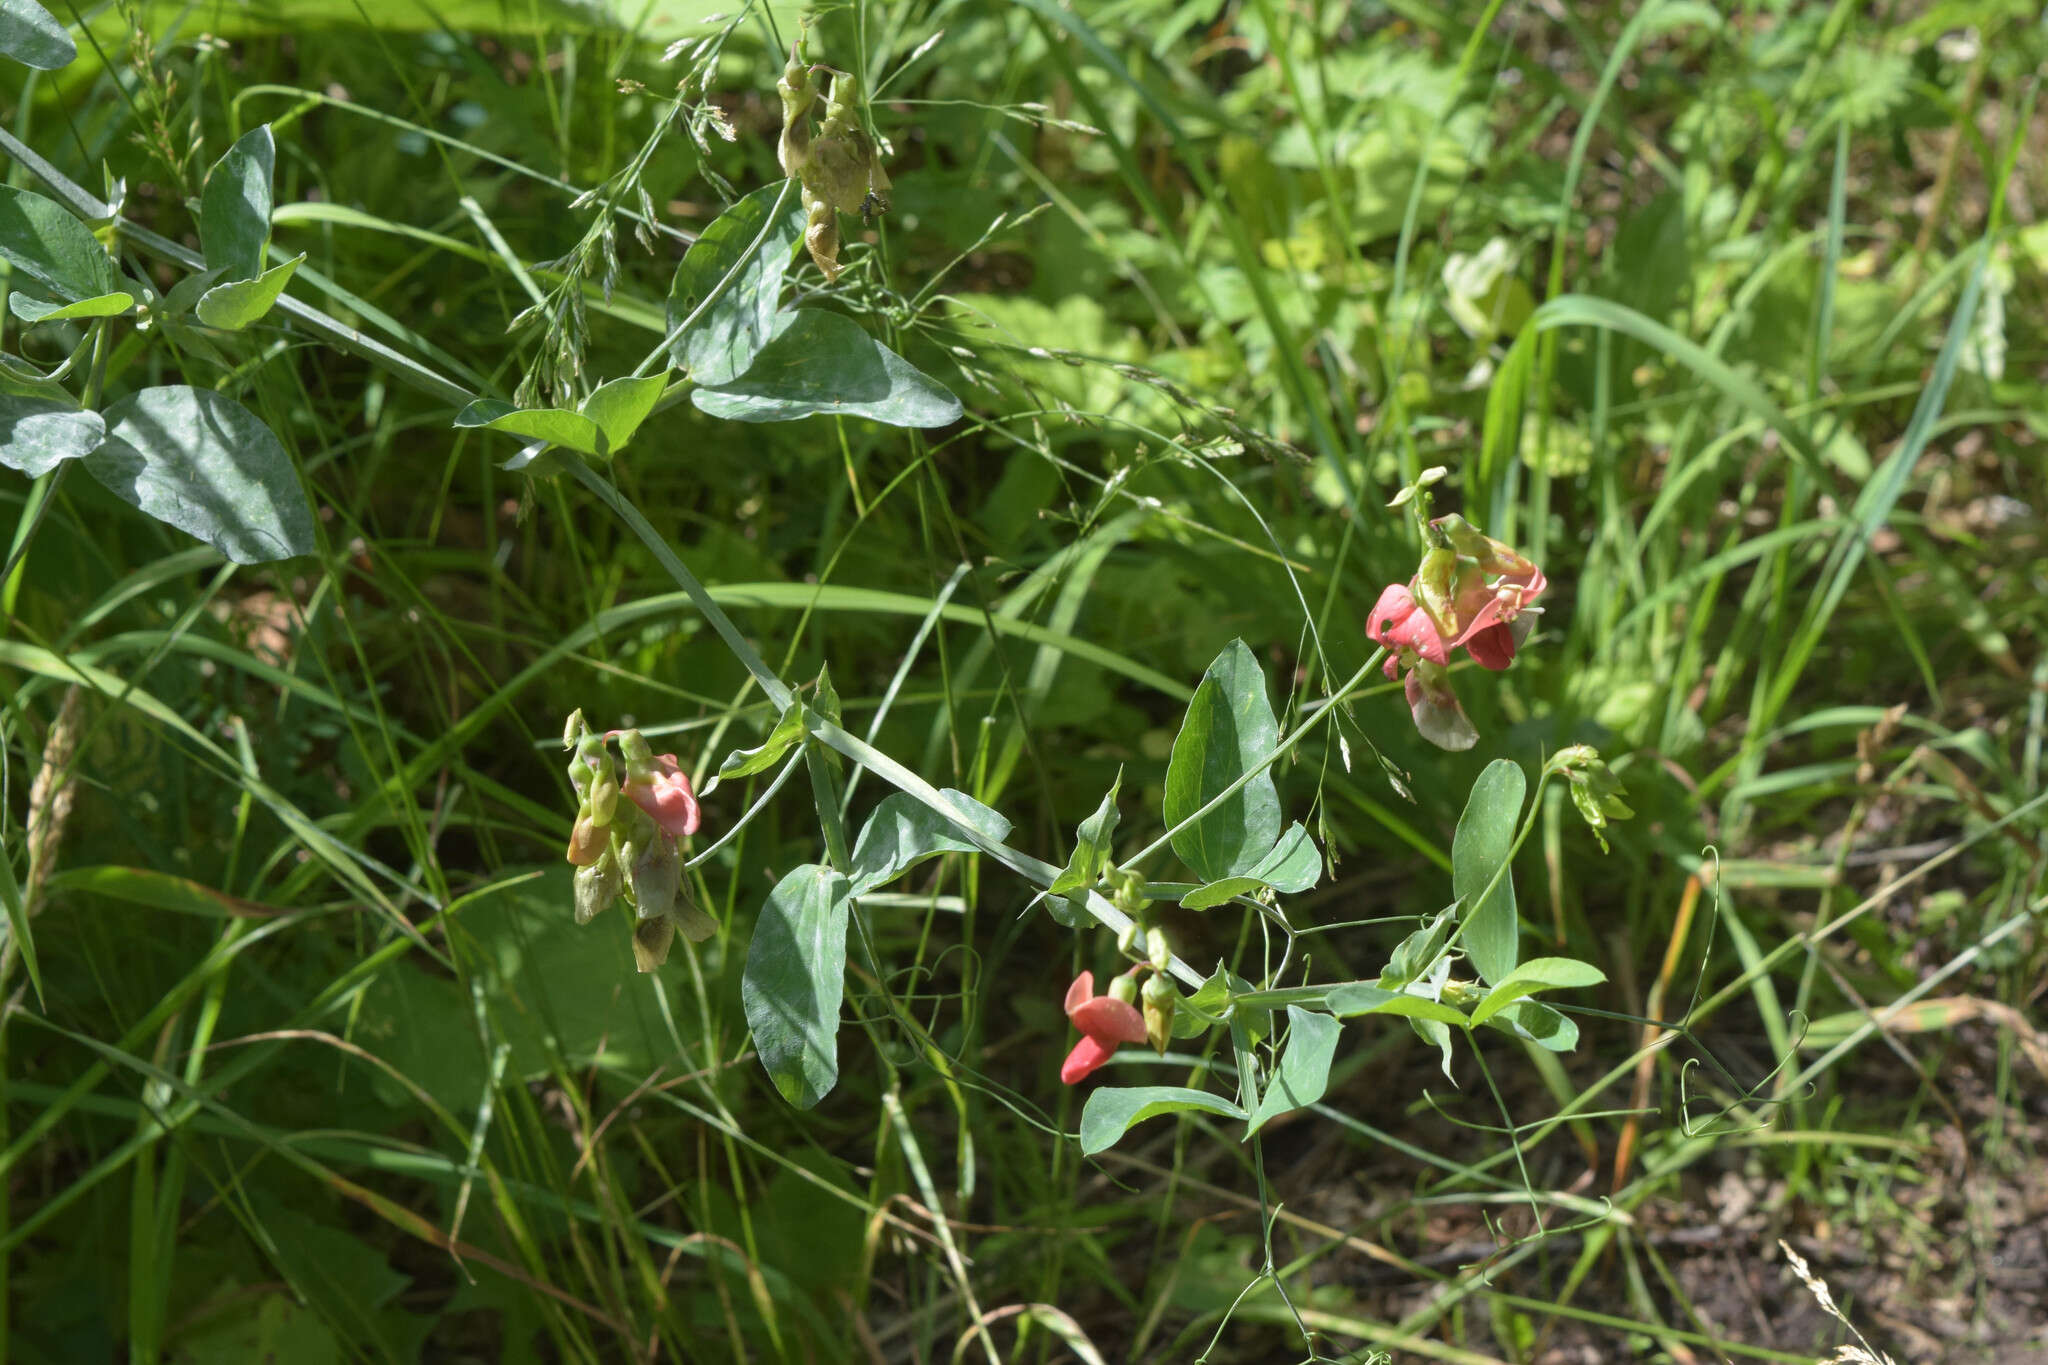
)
(32, 36)
(795, 982)
(198, 460)
(1349, 1002)
(1304, 1071)
(234, 208)
(1479, 850)
(236, 304)
(1113, 1110)
(904, 831)
(1228, 730)
(738, 264)
(554, 425)
(619, 406)
(40, 238)
(1537, 974)
(38, 434)
(33, 311)
(1091, 845)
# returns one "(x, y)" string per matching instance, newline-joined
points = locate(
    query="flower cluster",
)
(629, 849)
(1471, 592)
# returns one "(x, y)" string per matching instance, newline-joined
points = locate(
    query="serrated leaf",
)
(1113, 1110)
(198, 460)
(751, 242)
(234, 208)
(619, 406)
(1091, 845)
(32, 36)
(99, 306)
(554, 425)
(1479, 850)
(236, 304)
(1538, 1023)
(1537, 974)
(904, 831)
(795, 982)
(1349, 1002)
(1304, 1071)
(40, 238)
(1292, 867)
(1229, 728)
(816, 361)
(37, 434)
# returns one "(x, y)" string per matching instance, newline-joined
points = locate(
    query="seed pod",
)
(656, 870)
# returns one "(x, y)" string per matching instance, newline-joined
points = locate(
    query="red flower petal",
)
(1493, 647)
(1088, 1054)
(1109, 1019)
(1078, 994)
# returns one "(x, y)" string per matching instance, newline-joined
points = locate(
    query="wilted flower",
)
(657, 784)
(1104, 1021)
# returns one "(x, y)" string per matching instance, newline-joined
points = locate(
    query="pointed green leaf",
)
(40, 238)
(1349, 1002)
(99, 306)
(1416, 952)
(37, 434)
(787, 734)
(32, 36)
(17, 921)
(741, 258)
(555, 425)
(1229, 729)
(1479, 850)
(904, 831)
(795, 982)
(234, 208)
(816, 362)
(1113, 1110)
(1091, 845)
(198, 460)
(1537, 974)
(1304, 1071)
(619, 406)
(236, 304)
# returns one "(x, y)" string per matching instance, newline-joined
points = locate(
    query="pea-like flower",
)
(657, 784)
(1104, 1021)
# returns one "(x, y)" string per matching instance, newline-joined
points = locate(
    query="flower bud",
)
(1125, 988)
(597, 886)
(651, 939)
(1161, 999)
(574, 728)
(588, 841)
(1156, 950)
(604, 792)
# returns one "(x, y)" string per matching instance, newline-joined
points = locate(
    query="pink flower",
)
(663, 790)
(1488, 614)
(1104, 1021)
(1399, 622)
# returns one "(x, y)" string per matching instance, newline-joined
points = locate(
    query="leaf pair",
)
(192, 458)
(795, 978)
(755, 361)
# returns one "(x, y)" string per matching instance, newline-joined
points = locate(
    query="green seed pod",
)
(1125, 988)
(656, 871)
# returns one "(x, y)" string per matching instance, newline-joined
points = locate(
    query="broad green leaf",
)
(795, 982)
(1349, 1002)
(37, 435)
(1229, 728)
(1479, 850)
(823, 362)
(1304, 1070)
(99, 306)
(789, 731)
(1537, 974)
(554, 425)
(236, 304)
(1292, 867)
(751, 242)
(1539, 1023)
(32, 36)
(904, 831)
(619, 406)
(234, 208)
(1112, 1110)
(40, 238)
(198, 460)
(1091, 845)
